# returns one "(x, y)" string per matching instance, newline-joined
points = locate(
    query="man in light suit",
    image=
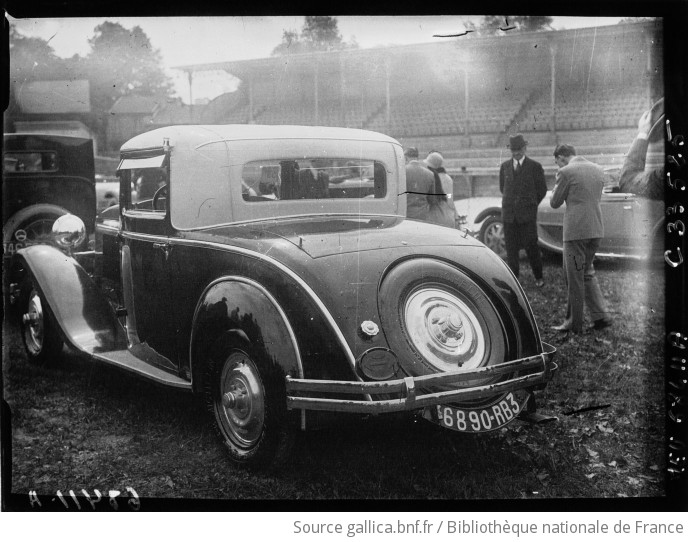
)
(523, 186)
(579, 184)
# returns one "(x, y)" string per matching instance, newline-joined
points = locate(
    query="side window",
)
(147, 189)
(29, 162)
(313, 178)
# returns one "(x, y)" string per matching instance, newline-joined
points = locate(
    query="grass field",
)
(80, 425)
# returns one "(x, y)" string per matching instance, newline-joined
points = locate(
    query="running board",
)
(124, 359)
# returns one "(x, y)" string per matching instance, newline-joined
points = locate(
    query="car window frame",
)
(131, 163)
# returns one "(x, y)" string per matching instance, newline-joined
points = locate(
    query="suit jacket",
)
(635, 179)
(580, 185)
(522, 192)
(419, 183)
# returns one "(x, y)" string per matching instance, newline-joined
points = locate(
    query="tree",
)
(501, 24)
(123, 62)
(627, 20)
(319, 33)
(31, 58)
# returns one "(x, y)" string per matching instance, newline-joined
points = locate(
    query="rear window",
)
(29, 162)
(313, 178)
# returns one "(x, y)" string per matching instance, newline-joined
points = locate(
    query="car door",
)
(145, 251)
(618, 217)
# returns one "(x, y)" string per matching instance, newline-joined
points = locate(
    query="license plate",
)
(478, 420)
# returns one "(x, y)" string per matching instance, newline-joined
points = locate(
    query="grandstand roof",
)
(450, 51)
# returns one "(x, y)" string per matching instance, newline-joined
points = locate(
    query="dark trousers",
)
(519, 235)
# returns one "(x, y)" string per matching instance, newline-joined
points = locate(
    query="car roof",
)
(60, 138)
(199, 135)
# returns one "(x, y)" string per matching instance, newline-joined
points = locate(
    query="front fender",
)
(492, 211)
(84, 316)
(241, 309)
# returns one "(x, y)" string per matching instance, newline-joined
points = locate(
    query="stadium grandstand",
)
(464, 96)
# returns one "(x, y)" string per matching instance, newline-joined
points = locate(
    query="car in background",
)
(45, 176)
(482, 217)
(235, 268)
(632, 224)
(107, 191)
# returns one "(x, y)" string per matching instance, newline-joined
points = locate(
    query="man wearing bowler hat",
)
(523, 186)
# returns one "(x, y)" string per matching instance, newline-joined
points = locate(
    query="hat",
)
(434, 160)
(517, 142)
(411, 152)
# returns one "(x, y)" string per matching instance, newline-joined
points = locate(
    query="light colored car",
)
(248, 276)
(107, 191)
(632, 224)
(482, 218)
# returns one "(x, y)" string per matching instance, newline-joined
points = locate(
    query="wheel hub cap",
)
(33, 320)
(241, 408)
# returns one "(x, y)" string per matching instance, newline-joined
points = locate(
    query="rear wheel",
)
(443, 318)
(39, 332)
(492, 235)
(249, 407)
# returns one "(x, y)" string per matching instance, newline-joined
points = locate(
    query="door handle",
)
(165, 247)
(628, 207)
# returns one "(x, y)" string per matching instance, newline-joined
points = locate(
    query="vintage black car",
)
(247, 263)
(44, 177)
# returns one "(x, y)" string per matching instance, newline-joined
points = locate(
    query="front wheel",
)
(249, 407)
(492, 235)
(40, 336)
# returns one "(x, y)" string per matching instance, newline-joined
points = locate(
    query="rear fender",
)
(85, 318)
(238, 310)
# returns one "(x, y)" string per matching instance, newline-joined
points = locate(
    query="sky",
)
(196, 40)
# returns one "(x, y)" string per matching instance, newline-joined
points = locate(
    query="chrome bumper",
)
(538, 369)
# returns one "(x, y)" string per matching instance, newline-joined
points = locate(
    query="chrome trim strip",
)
(286, 217)
(246, 252)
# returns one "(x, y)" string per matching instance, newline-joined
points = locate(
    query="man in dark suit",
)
(579, 185)
(523, 186)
